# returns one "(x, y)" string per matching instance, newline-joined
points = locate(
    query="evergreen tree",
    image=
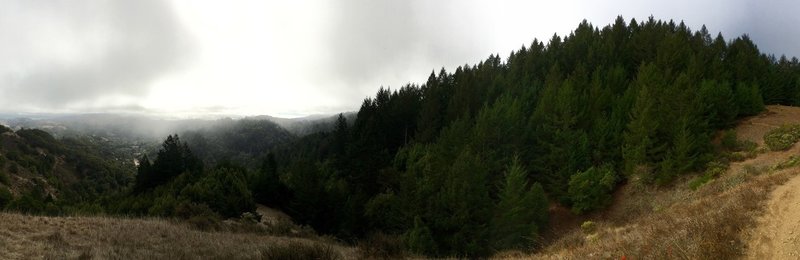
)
(520, 213)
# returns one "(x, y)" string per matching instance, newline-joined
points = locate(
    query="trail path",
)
(777, 235)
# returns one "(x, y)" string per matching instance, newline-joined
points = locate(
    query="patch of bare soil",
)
(777, 235)
(754, 128)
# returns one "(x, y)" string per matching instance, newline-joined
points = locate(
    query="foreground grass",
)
(35, 237)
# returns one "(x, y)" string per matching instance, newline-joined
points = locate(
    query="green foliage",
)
(591, 189)
(5, 197)
(588, 227)
(713, 169)
(782, 138)
(521, 212)
(793, 161)
(223, 190)
(174, 158)
(721, 107)
(729, 141)
(419, 239)
(749, 99)
(3, 176)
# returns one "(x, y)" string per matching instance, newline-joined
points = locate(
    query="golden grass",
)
(36, 237)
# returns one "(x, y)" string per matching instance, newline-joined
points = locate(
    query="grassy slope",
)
(27, 237)
(712, 222)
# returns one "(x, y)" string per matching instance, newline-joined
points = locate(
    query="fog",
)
(297, 58)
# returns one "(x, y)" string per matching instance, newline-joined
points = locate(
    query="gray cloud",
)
(97, 49)
(373, 43)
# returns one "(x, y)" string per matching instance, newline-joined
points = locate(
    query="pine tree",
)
(520, 212)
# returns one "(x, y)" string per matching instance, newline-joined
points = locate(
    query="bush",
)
(588, 227)
(3, 177)
(5, 197)
(592, 188)
(782, 138)
(713, 170)
(729, 140)
(198, 215)
(224, 191)
(299, 251)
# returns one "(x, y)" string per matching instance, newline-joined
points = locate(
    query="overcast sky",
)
(294, 58)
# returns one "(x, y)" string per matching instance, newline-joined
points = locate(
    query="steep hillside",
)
(729, 215)
(43, 174)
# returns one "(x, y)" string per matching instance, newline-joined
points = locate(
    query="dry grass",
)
(32, 237)
(706, 224)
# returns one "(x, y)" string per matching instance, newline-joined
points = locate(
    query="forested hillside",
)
(467, 162)
(39, 174)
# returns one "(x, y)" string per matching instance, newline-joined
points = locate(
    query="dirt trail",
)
(777, 235)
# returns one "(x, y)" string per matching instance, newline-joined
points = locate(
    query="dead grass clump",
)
(381, 246)
(299, 251)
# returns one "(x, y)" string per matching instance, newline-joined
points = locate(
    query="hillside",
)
(747, 210)
(36, 237)
(743, 211)
(43, 174)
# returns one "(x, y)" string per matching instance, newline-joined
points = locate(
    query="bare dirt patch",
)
(754, 128)
(777, 235)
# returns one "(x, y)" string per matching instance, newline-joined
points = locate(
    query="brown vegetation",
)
(30, 237)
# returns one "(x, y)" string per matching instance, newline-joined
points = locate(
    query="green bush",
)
(5, 197)
(729, 141)
(3, 177)
(782, 138)
(592, 188)
(713, 170)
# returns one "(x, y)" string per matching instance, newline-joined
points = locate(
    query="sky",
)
(295, 58)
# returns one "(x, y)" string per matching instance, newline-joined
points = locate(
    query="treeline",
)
(177, 184)
(466, 163)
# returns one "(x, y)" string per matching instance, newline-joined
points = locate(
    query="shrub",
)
(5, 197)
(198, 215)
(729, 140)
(299, 251)
(3, 177)
(782, 138)
(592, 188)
(588, 227)
(713, 170)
